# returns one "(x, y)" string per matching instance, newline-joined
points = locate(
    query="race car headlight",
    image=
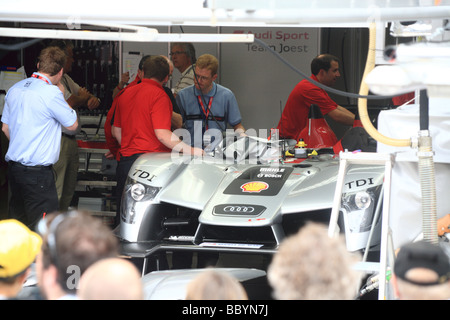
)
(139, 192)
(359, 208)
(136, 198)
(363, 200)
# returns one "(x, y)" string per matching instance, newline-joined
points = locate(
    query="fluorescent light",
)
(204, 37)
(224, 12)
(141, 34)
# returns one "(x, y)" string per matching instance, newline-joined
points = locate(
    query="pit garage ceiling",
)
(323, 13)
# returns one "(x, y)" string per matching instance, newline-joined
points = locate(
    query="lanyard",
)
(34, 75)
(205, 112)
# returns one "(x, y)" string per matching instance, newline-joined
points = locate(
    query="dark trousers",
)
(123, 166)
(32, 193)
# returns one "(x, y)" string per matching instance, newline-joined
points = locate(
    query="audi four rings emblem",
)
(243, 209)
(239, 209)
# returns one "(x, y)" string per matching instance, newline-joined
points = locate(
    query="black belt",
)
(70, 136)
(18, 164)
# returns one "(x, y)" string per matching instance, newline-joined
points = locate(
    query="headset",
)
(50, 230)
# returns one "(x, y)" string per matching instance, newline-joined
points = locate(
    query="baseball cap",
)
(422, 254)
(18, 247)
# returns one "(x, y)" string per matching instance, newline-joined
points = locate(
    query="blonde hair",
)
(311, 266)
(208, 61)
(215, 285)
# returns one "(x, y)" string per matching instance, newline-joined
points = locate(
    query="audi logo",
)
(237, 209)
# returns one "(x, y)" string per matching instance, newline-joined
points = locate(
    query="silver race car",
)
(244, 197)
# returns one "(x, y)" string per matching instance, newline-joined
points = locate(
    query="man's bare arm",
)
(117, 133)
(171, 141)
(342, 115)
(5, 129)
(73, 127)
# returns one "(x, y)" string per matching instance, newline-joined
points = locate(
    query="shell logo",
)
(254, 186)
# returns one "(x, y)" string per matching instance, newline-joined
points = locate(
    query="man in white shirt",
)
(35, 111)
(183, 58)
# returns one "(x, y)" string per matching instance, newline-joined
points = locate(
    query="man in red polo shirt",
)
(142, 121)
(111, 142)
(324, 69)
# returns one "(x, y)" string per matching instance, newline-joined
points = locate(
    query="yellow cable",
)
(362, 102)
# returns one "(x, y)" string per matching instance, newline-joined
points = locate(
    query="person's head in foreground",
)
(111, 279)
(310, 265)
(18, 249)
(215, 285)
(421, 272)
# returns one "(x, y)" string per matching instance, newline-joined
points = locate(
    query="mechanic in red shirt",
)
(324, 69)
(143, 121)
(111, 142)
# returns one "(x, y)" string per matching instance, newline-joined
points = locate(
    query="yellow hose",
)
(426, 165)
(362, 102)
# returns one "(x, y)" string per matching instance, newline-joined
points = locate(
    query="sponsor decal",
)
(360, 183)
(254, 186)
(138, 173)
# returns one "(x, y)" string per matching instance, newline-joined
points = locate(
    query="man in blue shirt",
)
(34, 112)
(207, 108)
